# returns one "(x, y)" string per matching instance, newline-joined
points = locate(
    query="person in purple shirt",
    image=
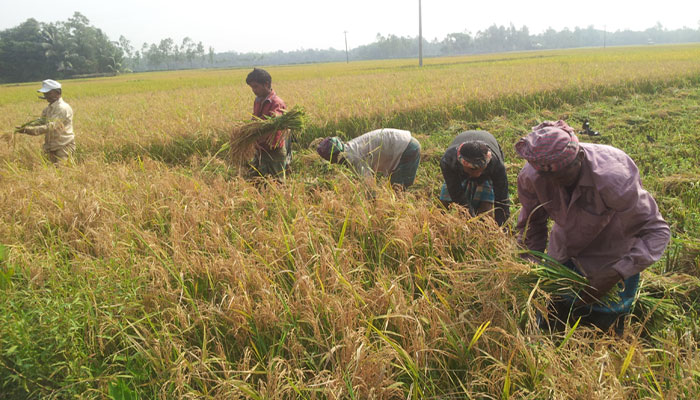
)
(606, 226)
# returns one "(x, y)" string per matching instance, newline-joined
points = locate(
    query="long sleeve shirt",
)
(377, 151)
(58, 130)
(608, 220)
(454, 175)
(270, 106)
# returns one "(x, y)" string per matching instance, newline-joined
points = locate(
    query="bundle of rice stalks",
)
(651, 304)
(551, 276)
(34, 122)
(556, 279)
(657, 310)
(658, 299)
(244, 137)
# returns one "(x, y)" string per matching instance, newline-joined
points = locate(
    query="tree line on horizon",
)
(74, 48)
(36, 50)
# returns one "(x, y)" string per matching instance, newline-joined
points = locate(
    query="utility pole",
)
(420, 35)
(604, 33)
(347, 58)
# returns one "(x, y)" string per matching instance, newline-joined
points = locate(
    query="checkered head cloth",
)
(475, 153)
(329, 146)
(550, 146)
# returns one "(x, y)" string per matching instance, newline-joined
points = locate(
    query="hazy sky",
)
(263, 26)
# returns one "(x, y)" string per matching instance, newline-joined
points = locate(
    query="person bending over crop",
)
(56, 124)
(606, 226)
(385, 151)
(475, 176)
(273, 152)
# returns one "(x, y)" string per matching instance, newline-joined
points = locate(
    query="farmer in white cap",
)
(56, 124)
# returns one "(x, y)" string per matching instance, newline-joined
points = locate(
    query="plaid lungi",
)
(476, 193)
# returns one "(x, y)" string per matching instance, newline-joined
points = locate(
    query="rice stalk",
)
(558, 280)
(244, 137)
(569, 334)
(656, 304)
(626, 363)
(479, 331)
(34, 122)
(664, 309)
(551, 276)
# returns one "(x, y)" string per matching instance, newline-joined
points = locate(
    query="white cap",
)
(49, 85)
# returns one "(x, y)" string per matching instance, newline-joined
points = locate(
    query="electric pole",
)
(420, 35)
(347, 58)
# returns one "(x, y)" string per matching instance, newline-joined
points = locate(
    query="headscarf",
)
(550, 146)
(475, 153)
(329, 146)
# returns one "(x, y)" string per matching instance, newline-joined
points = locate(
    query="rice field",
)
(150, 269)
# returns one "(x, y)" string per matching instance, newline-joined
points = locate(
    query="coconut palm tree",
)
(59, 48)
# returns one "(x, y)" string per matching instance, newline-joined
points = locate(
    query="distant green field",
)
(353, 97)
(150, 269)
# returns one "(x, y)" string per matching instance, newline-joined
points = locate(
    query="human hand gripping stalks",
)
(20, 129)
(34, 122)
(245, 137)
(652, 302)
(558, 280)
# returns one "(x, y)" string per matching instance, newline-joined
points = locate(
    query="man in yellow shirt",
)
(56, 126)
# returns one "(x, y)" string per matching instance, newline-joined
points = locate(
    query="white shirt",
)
(58, 130)
(377, 151)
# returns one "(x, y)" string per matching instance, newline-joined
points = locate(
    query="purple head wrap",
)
(550, 146)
